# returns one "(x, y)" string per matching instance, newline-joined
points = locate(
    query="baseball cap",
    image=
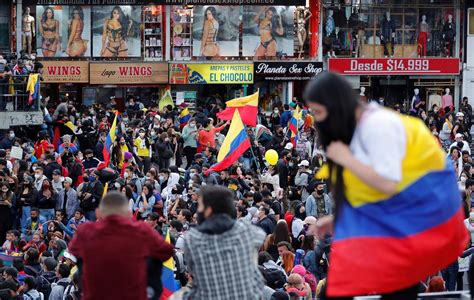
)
(289, 146)
(458, 135)
(310, 220)
(68, 255)
(304, 163)
(459, 114)
(68, 180)
(56, 172)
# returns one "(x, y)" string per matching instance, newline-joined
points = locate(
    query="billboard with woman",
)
(77, 31)
(215, 31)
(116, 31)
(268, 31)
(49, 34)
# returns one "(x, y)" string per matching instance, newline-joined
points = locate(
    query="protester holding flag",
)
(397, 200)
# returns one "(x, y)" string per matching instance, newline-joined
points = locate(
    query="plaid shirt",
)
(224, 266)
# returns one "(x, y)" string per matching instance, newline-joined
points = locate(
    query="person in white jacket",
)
(470, 226)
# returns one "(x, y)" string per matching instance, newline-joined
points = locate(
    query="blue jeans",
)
(47, 213)
(450, 276)
(26, 212)
(90, 215)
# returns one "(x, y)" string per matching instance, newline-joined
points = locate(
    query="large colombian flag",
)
(109, 141)
(293, 125)
(167, 275)
(384, 243)
(247, 107)
(236, 142)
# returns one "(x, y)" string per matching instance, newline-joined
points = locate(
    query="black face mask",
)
(320, 192)
(200, 217)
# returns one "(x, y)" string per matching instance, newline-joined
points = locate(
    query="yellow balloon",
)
(271, 156)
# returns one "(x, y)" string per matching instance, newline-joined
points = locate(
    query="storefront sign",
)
(286, 71)
(91, 2)
(65, 71)
(178, 74)
(128, 73)
(238, 73)
(394, 66)
(167, 2)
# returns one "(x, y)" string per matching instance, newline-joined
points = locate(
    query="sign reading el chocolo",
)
(167, 2)
(286, 71)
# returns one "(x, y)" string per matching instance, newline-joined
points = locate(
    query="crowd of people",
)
(52, 183)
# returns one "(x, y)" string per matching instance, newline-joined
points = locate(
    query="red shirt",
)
(113, 253)
(207, 138)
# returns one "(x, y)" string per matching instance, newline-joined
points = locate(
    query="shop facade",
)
(278, 80)
(387, 49)
(147, 32)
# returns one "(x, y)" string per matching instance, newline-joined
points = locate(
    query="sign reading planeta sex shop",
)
(128, 73)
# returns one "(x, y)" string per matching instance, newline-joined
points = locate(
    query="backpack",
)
(275, 278)
(68, 287)
(310, 279)
(44, 286)
(29, 297)
(180, 267)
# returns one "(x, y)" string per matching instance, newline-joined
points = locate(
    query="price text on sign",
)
(394, 66)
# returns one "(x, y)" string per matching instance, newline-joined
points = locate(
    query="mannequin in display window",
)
(27, 30)
(449, 34)
(348, 9)
(360, 36)
(302, 16)
(362, 95)
(423, 36)
(388, 34)
(330, 27)
(447, 99)
(416, 100)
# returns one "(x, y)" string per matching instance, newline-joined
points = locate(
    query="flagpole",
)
(251, 150)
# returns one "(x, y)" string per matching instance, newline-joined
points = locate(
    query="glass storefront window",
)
(384, 28)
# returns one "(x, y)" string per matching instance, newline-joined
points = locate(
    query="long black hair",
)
(79, 11)
(44, 17)
(213, 11)
(123, 19)
(341, 101)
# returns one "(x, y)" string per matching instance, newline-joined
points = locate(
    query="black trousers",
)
(189, 152)
(410, 293)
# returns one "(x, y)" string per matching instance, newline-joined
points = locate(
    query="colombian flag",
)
(184, 117)
(32, 87)
(384, 243)
(236, 142)
(293, 125)
(109, 141)
(247, 107)
(167, 275)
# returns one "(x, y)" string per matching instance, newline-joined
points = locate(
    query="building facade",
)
(94, 51)
(397, 51)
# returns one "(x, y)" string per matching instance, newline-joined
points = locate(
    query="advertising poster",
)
(49, 30)
(268, 31)
(215, 31)
(76, 31)
(220, 73)
(116, 31)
